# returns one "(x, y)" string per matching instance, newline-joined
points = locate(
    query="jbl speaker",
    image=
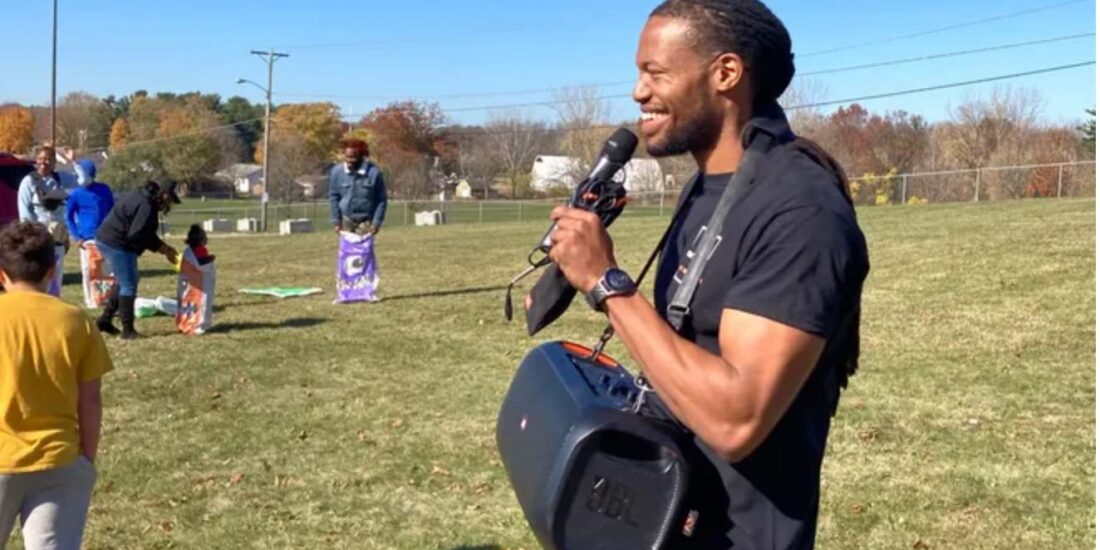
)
(588, 472)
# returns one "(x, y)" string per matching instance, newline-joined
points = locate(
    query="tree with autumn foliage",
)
(190, 150)
(83, 121)
(16, 129)
(178, 136)
(317, 124)
(120, 134)
(408, 140)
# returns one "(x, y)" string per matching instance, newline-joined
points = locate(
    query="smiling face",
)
(353, 157)
(681, 110)
(44, 162)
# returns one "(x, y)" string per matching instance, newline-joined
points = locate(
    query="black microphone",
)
(615, 154)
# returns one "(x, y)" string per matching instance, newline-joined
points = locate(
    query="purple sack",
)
(356, 269)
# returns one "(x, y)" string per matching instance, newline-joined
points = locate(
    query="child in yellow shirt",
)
(50, 369)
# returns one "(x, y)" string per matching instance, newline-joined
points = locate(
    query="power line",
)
(944, 86)
(467, 36)
(883, 95)
(834, 70)
(949, 54)
(789, 108)
(620, 96)
(183, 135)
(941, 29)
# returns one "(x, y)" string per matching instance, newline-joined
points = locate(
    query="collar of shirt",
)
(362, 171)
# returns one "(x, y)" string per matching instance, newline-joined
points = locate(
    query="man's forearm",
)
(26, 204)
(699, 387)
(90, 417)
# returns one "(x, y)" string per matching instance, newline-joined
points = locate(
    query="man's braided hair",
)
(750, 30)
(745, 27)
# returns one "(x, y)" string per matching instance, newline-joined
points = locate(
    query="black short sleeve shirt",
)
(790, 251)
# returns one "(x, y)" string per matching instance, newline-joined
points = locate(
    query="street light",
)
(271, 57)
(53, 82)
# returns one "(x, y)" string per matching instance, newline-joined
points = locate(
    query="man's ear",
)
(730, 71)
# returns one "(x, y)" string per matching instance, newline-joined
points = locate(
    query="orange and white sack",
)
(195, 295)
(96, 276)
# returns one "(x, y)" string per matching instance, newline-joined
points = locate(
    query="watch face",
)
(618, 280)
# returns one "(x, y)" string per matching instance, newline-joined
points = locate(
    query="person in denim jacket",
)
(357, 192)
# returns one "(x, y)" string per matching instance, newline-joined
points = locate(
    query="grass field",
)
(301, 424)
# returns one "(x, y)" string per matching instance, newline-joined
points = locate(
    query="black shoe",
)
(105, 326)
(109, 310)
(126, 314)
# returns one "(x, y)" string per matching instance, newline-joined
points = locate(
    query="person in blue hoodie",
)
(88, 204)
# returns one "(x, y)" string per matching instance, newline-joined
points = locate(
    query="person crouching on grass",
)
(50, 408)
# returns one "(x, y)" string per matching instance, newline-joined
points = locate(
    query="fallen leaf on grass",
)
(868, 435)
(235, 479)
(438, 470)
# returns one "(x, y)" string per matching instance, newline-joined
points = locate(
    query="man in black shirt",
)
(129, 230)
(756, 369)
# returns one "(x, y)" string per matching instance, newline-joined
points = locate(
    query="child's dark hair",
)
(26, 251)
(196, 236)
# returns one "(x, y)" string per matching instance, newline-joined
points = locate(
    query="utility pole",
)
(53, 82)
(271, 56)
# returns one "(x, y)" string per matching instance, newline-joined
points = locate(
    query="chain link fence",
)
(1061, 180)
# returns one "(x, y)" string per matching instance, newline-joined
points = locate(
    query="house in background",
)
(245, 178)
(463, 190)
(549, 172)
(313, 186)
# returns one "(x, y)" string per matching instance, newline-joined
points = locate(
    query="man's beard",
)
(698, 133)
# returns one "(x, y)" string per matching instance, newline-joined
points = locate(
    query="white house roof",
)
(239, 170)
(548, 171)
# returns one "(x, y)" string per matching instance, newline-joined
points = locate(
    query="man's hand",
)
(374, 229)
(337, 228)
(171, 254)
(581, 247)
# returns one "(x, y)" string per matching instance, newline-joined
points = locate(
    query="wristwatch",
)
(615, 282)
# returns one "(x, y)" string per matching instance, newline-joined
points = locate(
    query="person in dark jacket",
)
(129, 230)
(357, 191)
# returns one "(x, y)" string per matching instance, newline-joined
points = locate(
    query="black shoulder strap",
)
(680, 306)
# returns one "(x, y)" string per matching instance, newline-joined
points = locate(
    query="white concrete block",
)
(430, 217)
(248, 225)
(290, 227)
(219, 225)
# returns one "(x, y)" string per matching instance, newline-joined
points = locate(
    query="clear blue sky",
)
(439, 47)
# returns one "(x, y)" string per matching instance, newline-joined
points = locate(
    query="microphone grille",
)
(620, 146)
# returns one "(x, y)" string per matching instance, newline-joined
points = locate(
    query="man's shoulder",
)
(789, 178)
